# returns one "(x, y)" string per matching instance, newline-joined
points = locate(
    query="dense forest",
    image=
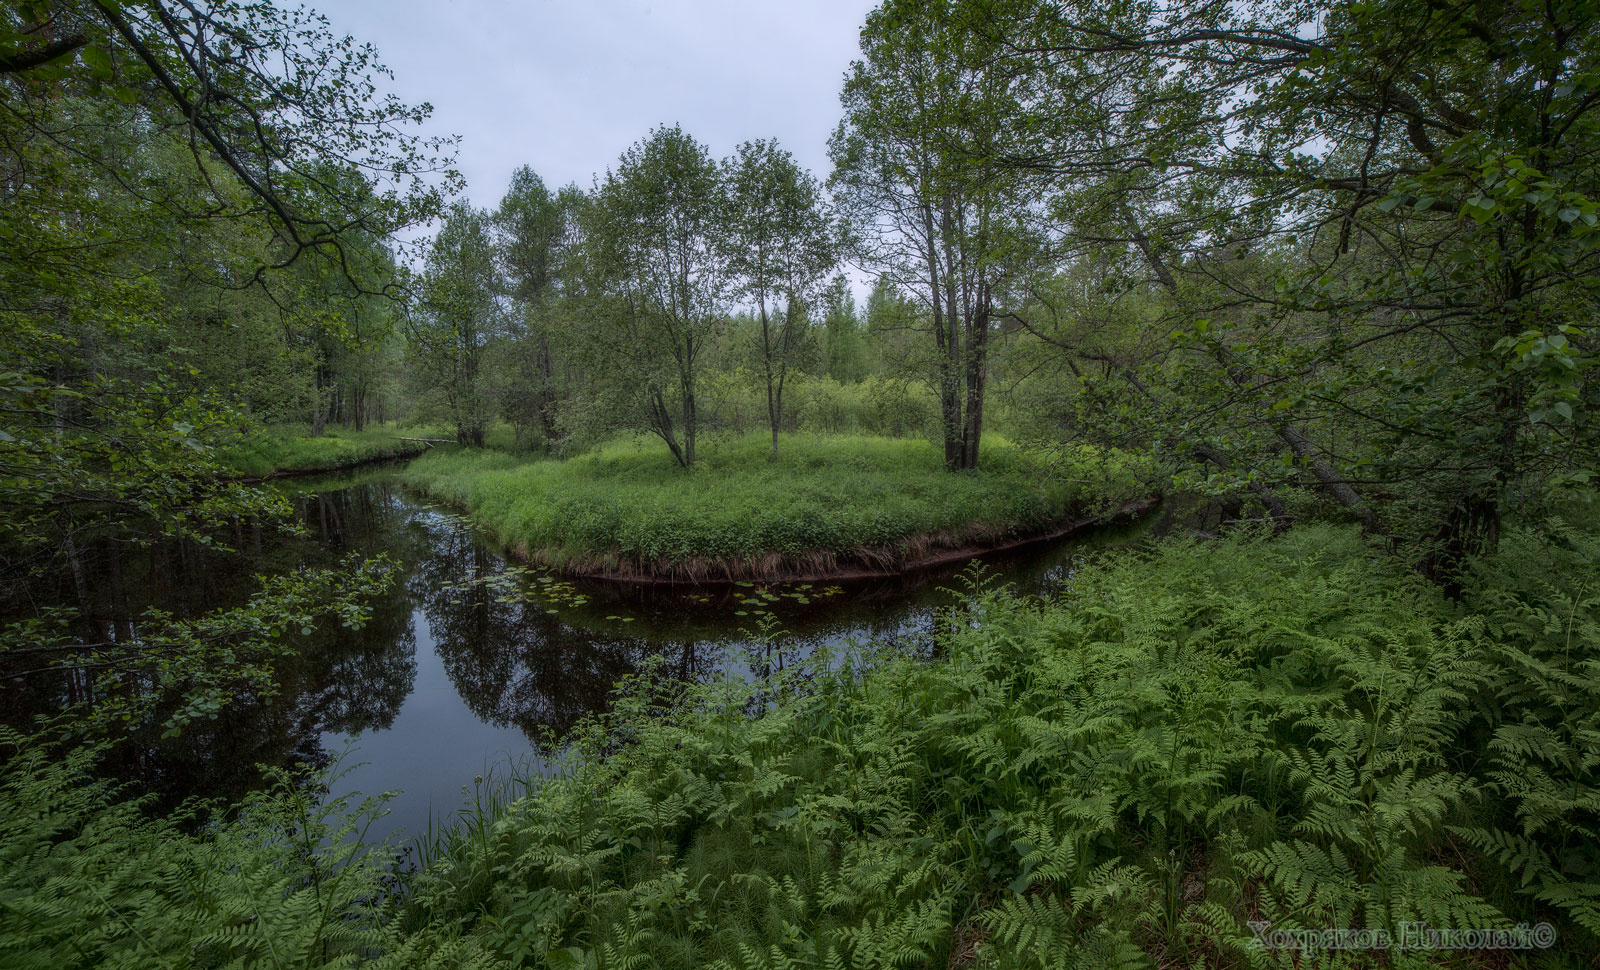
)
(1325, 272)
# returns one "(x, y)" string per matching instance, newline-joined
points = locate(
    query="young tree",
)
(654, 230)
(458, 316)
(780, 244)
(935, 222)
(531, 234)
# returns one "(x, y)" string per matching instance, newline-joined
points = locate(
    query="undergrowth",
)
(90, 880)
(826, 503)
(1294, 731)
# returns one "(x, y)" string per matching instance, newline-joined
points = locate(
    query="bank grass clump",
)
(1291, 731)
(827, 504)
(293, 449)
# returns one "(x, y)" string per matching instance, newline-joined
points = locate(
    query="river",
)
(470, 663)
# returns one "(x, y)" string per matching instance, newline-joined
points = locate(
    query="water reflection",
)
(466, 658)
(515, 663)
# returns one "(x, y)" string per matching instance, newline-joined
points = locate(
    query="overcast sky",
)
(566, 85)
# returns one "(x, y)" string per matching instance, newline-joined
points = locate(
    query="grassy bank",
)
(828, 504)
(1294, 730)
(290, 450)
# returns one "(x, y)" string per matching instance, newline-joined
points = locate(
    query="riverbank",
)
(282, 453)
(827, 508)
(1296, 730)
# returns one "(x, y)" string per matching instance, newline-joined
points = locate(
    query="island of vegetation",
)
(827, 508)
(1329, 270)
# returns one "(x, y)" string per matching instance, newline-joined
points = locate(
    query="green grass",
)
(826, 502)
(293, 449)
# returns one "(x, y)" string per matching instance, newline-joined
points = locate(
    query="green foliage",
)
(1541, 794)
(1297, 730)
(868, 500)
(90, 881)
(1359, 239)
(1293, 730)
(290, 448)
(875, 406)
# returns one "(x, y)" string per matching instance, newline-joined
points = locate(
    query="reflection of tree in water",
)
(356, 680)
(339, 681)
(511, 661)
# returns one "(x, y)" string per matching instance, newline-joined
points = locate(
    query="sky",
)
(566, 85)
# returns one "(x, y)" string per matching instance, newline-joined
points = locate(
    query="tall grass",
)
(826, 502)
(294, 449)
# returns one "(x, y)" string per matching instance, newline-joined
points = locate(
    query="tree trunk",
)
(661, 424)
(977, 373)
(773, 406)
(318, 404)
(547, 395)
(954, 321)
(690, 418)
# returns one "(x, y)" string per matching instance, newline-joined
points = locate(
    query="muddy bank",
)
(908, 558)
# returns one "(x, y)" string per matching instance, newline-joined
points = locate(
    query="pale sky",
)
(566, 85)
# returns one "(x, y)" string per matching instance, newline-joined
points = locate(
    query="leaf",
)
(98, 61)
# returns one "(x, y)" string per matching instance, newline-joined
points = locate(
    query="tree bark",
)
(977, 375)
(661, 424)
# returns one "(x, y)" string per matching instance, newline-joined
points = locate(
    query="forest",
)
(1134, 508)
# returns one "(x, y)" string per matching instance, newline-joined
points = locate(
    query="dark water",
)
(469, 661)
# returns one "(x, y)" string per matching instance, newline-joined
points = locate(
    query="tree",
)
(845, 349)
(780, 243)
(458, 316)
(264, 94)
(654, 229)
(532, 232)
(1377, 232)
(167, 172)
(935, 222)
